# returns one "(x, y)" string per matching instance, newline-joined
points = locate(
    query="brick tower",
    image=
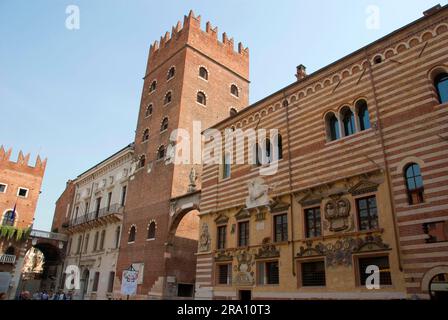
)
(20, 186)
(190, 76)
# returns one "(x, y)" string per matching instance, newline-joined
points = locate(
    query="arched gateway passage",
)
(182, 245)
(42, 263)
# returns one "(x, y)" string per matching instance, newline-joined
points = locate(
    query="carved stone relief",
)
(337, 213)
(340, 252)
(244, 274)
(204, 239)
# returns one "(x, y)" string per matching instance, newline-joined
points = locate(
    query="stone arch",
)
(403, 163)
(441, 29)
(430, 274)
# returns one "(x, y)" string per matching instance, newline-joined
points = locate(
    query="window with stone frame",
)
(367, 213)
(414, 183)
(222, 235)
(224, 274)
(313, 227)
(382, 262)
(281, 227)
(313, 274)
(268, 273)
(243, 234)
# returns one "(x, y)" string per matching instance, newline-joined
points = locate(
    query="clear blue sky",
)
(73, 96)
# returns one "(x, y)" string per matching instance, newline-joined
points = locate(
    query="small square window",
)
(2, 188)
(23, 192)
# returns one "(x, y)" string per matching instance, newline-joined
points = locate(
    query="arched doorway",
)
(181, 248)
(33, 270)
(84, 283)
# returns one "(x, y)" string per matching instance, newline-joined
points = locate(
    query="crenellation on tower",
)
(22, 161)
(190, 32)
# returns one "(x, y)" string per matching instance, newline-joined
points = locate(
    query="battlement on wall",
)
(192, 24)
(22, 161)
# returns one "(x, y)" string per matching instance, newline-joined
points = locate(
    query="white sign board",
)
(129, 282)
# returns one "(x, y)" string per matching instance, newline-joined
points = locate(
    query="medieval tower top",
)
(20, 186)
(206, 41)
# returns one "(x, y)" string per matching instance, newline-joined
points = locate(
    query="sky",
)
(73, 95)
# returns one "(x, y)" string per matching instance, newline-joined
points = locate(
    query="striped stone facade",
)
(394, 77)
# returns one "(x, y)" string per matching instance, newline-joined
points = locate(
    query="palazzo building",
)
(90, 211)
(362, 175)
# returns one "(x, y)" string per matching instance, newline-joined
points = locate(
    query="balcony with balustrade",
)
(96, 218)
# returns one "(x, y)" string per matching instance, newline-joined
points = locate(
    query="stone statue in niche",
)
(337, 212)
(193, 177)
(204, 239)
(258, 193)
(244, 274)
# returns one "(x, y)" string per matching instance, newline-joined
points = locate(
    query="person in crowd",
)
(61, 295)
(2, 296)
(44, 295)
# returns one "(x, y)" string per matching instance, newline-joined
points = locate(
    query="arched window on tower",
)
(414, 183)
(233, 112)
(234, 90)
(203, 73)
(132, 233)
(332, 124)
(151, 231)
(441, 84)
(363, 115)
(145, 136)
(142, 161)
(148, 111)
(161, 152)
(9, 218)
(168, 97)
(201, 98)
(153, 86)
(171, 73)
(164, 125)
(348, 121)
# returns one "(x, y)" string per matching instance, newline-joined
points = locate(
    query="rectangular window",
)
(313, 274)
(222, 230)
(225, 274)
(381, 262)
(313, 223)
(367, 213)
(96, 280)
(97, 206)
(86, 243)
(2, 188)
(268, 273)
(226, 166)
(281, 227)
(243, 234)
(109, 200)
(22, 192)
(110, 285)
(123, 195)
